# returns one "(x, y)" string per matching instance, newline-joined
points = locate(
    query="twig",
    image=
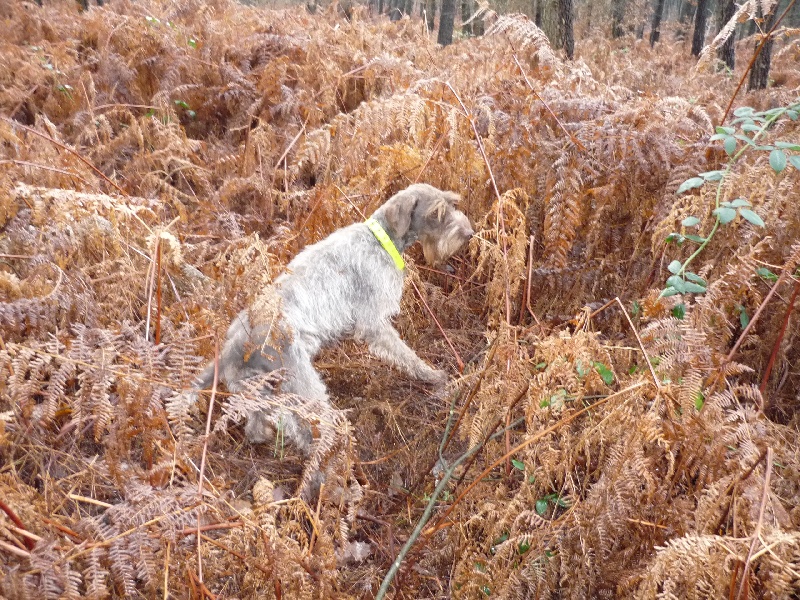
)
(316, 520)
(14, 123)
(17, 521)
(157, 334)
(638, 339)
(733, 484)
(88, 500)
(11, 549)
(754, 320)
(211, 527)
(572, 138)
(459, 362)
(203, 458)
(776, 347)
(25, 163)
(757, 532)
(449, 431)
(267, 571)
(166, 570)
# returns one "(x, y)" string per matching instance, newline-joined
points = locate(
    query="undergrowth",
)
(161, 161)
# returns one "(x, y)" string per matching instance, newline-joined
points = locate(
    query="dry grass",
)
(161, 161)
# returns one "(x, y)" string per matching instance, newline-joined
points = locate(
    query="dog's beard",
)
(437, 251)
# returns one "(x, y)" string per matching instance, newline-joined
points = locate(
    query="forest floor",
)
(161, 161)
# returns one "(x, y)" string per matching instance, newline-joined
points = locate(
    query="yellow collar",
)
(383, 237)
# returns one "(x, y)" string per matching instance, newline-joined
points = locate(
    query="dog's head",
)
(425, 213)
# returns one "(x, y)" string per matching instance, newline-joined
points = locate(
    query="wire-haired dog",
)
(347, 285)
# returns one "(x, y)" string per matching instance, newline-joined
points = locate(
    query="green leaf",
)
(541, 507)
(675, 237)
(712, 175)
(636, 308)
(743, 111)
(667, 292)
(518, 464)
(690, 221)
(766, 274)
(777, 160)
(725, 214)
(751, 217)
(788, 146)
(694, 288)
(544, 403)
(486, 590)
(561, 502)
(679, 311)
(523, 547)
(689, 184)
(717, 136)
(677, 282)
(695, 238)
(729, 145)
(605, 373)
(738, 203)
(674, 266)
(728, 130)
(540, 366)
(744, 320)
(699, 400)
(795, 160)
(192, 42)
(751, 127)
(181, 103)
(792, 114)
(582, 371)
(696, 278)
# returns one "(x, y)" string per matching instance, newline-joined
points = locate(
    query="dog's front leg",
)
(385, 343)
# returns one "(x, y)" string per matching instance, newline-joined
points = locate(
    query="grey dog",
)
(347, 285)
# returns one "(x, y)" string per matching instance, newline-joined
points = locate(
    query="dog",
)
(347, 285)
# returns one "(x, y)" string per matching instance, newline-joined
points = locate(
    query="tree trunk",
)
(408, 9)
(655, 30)
(617, 16)
(727, 52)
(537, 13)
(699, 36)
(567, 35)
(395, 11)
(467, 8)
(759, 75)
(446, 22)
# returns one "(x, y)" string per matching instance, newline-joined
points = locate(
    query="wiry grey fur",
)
(347, 285)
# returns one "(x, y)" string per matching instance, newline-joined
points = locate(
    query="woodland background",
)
(161, 161)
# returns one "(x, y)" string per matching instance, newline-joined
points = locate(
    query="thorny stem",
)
(426, 515)
(500, 217)
(459, 362)
(760, 47)
(776, 347)
(732, 161)
(14, 123)
(572, 138)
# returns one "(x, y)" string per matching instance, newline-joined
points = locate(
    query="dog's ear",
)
(399, 211)
(452, 198)
(438, 208)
